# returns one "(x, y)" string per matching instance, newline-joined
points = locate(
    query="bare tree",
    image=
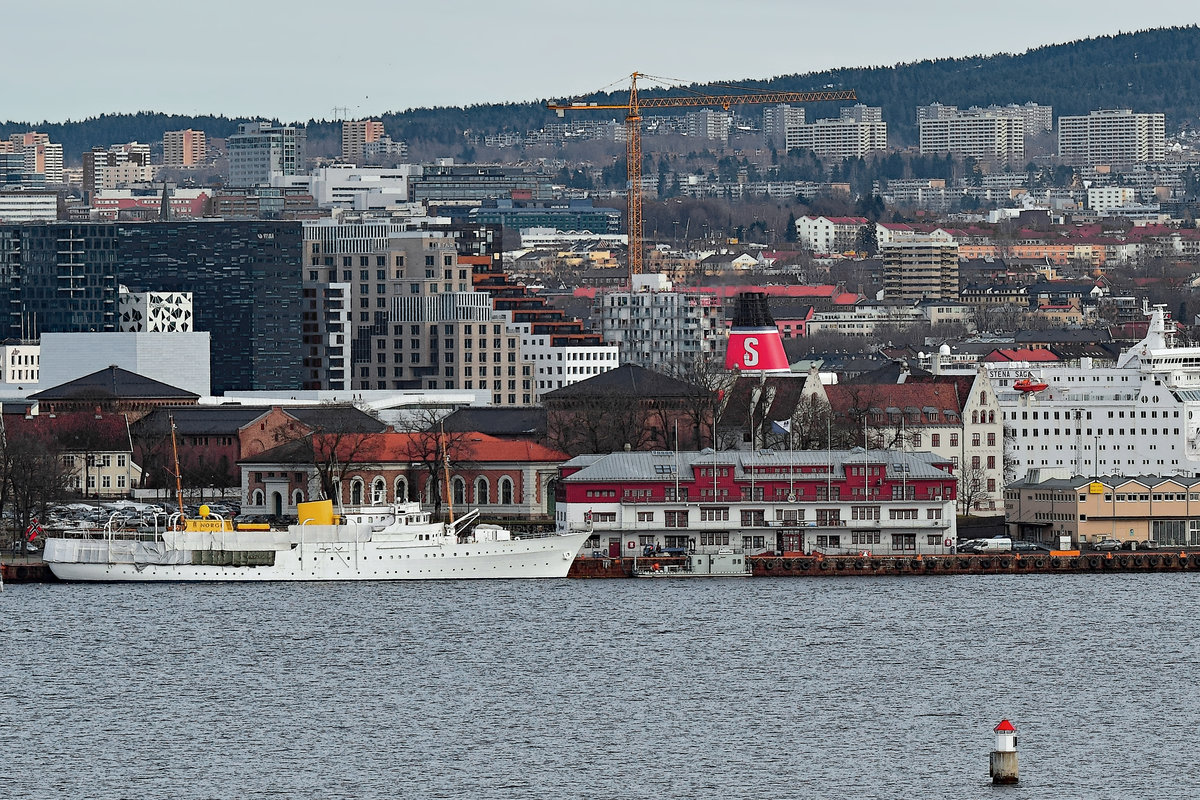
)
(32, 477)
(971, 488)
(600, 423)
(330, 449)
(701, 407)
(430, 448)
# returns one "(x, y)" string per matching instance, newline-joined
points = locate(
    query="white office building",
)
(352, 187)
(20, 206)
(259, 152)
(557, 364)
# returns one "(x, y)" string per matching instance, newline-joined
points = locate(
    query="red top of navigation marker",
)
(754, 342)
(1004, 727)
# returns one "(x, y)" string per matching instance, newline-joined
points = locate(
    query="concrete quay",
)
(960, 564)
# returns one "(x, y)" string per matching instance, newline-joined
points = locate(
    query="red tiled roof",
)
(1020, 354)
(942, 397)
(477, 448)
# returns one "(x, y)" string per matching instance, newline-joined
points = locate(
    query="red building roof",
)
(1020, 354)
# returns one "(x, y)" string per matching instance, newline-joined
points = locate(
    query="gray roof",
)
(1079, 481)
(114, 382)
(653, 466)
(498, 421)
(1064, 335)
(627, 379)
(228, 419)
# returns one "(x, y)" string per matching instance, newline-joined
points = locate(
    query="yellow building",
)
(1165, 510)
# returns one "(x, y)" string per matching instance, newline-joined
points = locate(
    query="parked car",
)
(1022, 546)
(1134, 544)
(971, 545)
(1106, 544)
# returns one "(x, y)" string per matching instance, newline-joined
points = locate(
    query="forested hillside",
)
(1148, 71)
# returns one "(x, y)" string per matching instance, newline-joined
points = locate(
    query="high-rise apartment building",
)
(1115, 137)
(777, 118)
(657, 326)
(183, 149)
(260, 151)
(857, 131)
(1037, 118)
(42, 157)
(995, 137)
(356, 134)
(919, 268)
(115, 166)
(710, 124)
(244, 277)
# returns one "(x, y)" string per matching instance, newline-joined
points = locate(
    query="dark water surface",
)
(763, 688)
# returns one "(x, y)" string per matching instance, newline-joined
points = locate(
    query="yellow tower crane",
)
(633, 137)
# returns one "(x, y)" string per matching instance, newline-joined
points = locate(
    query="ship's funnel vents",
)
(753, 311)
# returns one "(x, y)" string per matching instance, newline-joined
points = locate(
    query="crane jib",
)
(633, 139)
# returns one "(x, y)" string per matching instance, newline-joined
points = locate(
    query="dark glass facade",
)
(244, 278)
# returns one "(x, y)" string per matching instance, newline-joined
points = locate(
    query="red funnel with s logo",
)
(754, 342)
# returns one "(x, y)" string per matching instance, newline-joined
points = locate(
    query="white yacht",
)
(380, 542)
(1140, 416)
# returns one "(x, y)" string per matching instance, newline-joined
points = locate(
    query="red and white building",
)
(184, 203)
(843, 501)
(500, 477)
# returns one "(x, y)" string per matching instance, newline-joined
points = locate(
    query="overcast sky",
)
(300, 59)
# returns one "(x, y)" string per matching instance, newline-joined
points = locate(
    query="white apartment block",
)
(829, 234)
(657, 327)
(154, 312)
(859, 130)
(984, 135)
(104, 474)
(384, 147)
(1115, 137)
(710, 124)
(1105, 198)
(776, 120)
(935, 111)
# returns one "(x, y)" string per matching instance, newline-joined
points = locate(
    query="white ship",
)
(1139, 417)
(380, 542)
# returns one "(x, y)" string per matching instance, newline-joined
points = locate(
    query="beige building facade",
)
(1164, 510)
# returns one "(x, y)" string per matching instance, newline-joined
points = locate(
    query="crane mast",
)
(633, 139)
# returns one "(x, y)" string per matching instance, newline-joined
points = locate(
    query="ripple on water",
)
(767, 688)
